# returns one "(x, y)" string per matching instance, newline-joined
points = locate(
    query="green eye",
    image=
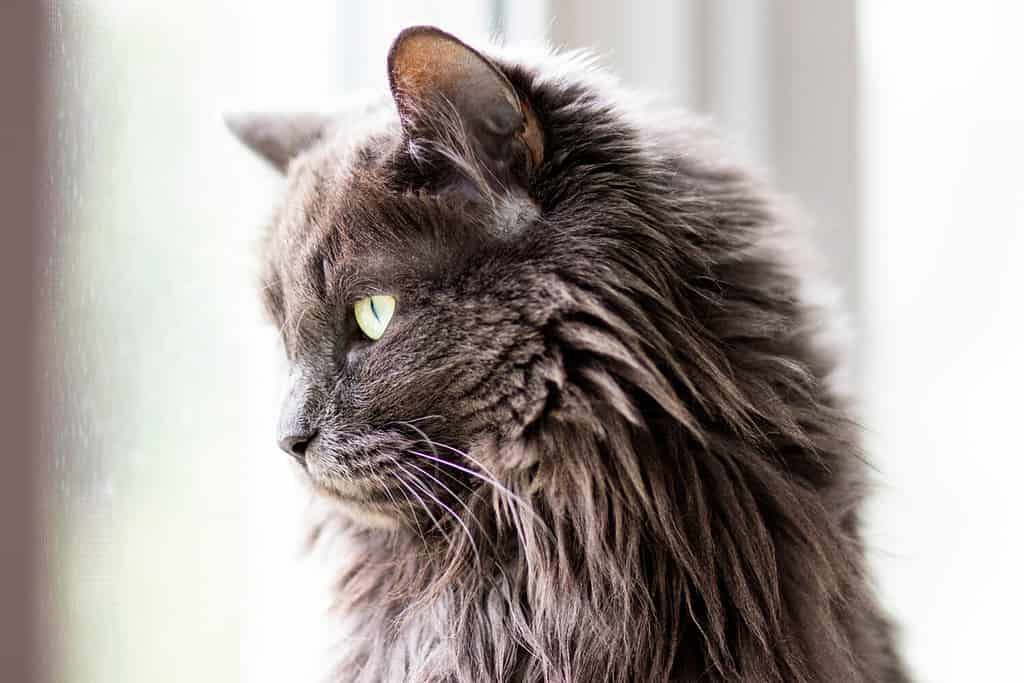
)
(373, 314)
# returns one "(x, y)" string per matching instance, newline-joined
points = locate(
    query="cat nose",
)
(295, 445)
(295, 430)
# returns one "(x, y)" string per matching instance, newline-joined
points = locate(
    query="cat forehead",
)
(333, 183)
(347, 213)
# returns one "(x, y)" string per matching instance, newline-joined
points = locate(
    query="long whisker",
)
(423, 503)
(384, 486)
(457, 517)
(488, 477)
(508, 495)
(483, 477)
(447, 489)
(420, 419)
(469, 536)
(423, 435)
(412, 510)
(467, 456)
(529, 508)
(431, 445)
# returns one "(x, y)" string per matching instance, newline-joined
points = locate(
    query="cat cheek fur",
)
(615, 449)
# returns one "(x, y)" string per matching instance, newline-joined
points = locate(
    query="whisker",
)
(421, 419)
(457, 517)
(412, 510)
(447, 488)
(483, 477)
(423, 503)
(430, 444)
(518, 499)
(508, 495)
(424, 437)
(384, 486)
(465, 455)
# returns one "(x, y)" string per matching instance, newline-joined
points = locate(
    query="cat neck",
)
(684, 566)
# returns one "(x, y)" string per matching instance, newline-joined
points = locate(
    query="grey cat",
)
(556, 371)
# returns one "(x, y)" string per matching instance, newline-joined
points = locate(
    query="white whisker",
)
(423, 503)
(500, 488)
(457, 517)
(412, 510)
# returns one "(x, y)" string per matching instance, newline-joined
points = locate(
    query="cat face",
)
(430, 218)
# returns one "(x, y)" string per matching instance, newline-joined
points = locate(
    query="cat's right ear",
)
(278, 138)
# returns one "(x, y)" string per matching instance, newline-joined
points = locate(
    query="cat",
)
(558, 371)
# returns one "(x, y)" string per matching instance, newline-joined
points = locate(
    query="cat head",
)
(489, 253)
(423, 227)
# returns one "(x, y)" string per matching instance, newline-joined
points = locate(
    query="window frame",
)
(21, 71)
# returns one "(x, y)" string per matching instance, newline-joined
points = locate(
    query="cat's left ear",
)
(279, 138)
(434, 76)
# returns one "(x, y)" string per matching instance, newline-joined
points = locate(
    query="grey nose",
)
(296, 430)
(296, 445)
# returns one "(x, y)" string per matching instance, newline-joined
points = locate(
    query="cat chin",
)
(368, 516)
(354, 499)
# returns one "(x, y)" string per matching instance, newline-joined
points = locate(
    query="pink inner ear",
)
(423, 63)
(430, 68)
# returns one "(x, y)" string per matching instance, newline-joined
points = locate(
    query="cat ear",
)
(434, 75)
(278, 138)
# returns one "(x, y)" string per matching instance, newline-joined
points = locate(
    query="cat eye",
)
(373, 313)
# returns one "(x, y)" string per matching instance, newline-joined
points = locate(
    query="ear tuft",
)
(278, 138)
(431, 71)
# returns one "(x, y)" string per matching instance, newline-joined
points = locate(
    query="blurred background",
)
(169, 548)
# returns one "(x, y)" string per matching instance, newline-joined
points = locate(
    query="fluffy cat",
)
(555, 369)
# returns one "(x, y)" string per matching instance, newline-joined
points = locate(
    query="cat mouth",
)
(363, 499)
(384, 500)
(388, 474)
(341, 476)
